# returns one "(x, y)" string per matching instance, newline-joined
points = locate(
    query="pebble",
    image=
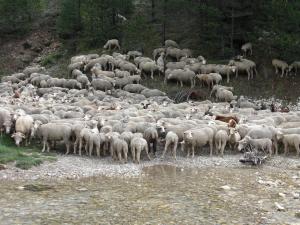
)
(82, 189)
(2, 167)
(226, 187)
(296, 195)
(279, 207)
(282, 195)
(297, 214)
(20, 188)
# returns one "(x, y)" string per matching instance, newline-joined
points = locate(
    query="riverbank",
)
(75, 167)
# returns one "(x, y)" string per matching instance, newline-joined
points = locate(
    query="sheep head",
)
(18, 137)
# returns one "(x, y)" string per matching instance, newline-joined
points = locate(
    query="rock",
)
(36, 187)
(20, 188)
(226, 187)
(296, 195)
(82, 189)
(279, 207)
(282, 195)
(2, 167)
(27, 44)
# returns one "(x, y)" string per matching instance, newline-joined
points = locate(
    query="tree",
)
(17, 16)
(69, 22)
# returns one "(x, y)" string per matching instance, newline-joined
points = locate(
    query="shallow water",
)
(161, 195)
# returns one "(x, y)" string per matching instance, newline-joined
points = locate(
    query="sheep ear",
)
(13, 135)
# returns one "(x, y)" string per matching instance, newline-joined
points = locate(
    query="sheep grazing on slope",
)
(185, 75)
(280, 65)
(112, 44)
(294, 67)
(171, 43)
(247, 48)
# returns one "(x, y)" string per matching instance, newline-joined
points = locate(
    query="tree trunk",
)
(164, 21)
(232, 29)
(153, 11)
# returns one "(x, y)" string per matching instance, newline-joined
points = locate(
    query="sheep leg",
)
(91, 149)
(120, 156)
(86, 148)
(44, 145)
(80, 146)
(217, 147)
(236, 73)
(297, 149)
(193, 151)
(67, 147)
(285, 148)
(149, 146)
(181, 83)
(152, 75)
(48, 147)
(211, 147)
(174, 150)
(282, 72)
(147, 153)
(276, 146)
(125, 152)
(138, 155)
(133, 154)
(154, 145)
(222, 149)
(98, 150)
(255, 70)
(165, 150)
(269, 148)
(249, 74)
(228, 77)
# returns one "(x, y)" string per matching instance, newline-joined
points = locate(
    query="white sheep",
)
(137, 145)
(171, 43)
(23, 127)
(225, 95)
(151, 67)
(234, 138)
(247, 47)
(185, 75)
(55, 132)
(171, 141)
(293, 67)
(221, 139)
(260, 144)
(289, 140)
(280, 65)
(197, 138)
(112, 44)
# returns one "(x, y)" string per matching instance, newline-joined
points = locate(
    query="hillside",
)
(215, 30)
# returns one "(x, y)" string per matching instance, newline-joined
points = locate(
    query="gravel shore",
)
(75, 167)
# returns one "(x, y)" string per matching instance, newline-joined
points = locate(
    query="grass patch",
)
(51, 59)
(24, 157)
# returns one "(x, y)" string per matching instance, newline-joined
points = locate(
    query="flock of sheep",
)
(104, 109)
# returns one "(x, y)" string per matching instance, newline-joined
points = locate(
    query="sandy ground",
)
(75, 167)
